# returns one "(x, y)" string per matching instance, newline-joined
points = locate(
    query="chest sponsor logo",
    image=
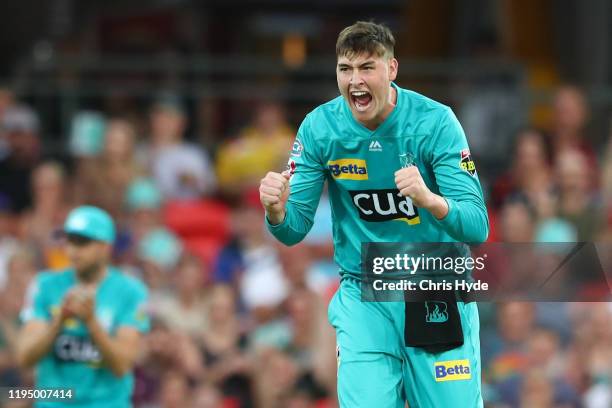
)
(78, 349)
(467, 163)
(452, 370)
(384, 205)
(375, 146)
(348, 169)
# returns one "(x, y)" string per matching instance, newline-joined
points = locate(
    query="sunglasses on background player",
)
(78, 240)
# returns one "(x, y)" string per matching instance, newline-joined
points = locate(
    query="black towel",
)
(433, 321)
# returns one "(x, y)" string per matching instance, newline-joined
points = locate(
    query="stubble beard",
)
(90, 273)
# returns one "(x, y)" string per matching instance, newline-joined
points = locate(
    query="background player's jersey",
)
(75, 362)
(359, 165)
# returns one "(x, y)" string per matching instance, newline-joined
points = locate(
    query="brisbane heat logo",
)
(384, 205)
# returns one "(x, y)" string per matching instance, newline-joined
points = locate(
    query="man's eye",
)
(343, 69)
(369, 68)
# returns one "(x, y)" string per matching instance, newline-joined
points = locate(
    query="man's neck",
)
(93, 278)
(164, 140)
(391, 103)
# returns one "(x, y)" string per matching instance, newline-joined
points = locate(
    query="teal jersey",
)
(75, 362)
(359, 166)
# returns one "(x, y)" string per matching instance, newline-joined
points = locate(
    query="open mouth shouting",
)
(361, 100)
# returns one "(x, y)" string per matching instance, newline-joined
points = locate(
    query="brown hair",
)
(365, 37)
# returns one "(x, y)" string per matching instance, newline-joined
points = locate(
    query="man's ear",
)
(106, 249)
(393, 65)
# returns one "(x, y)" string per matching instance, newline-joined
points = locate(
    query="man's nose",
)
(356, 77)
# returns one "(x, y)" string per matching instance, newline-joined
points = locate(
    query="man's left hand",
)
(410, 184)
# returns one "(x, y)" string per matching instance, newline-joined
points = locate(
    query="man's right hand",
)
(73, 302)
(68, 304)
(273, 194)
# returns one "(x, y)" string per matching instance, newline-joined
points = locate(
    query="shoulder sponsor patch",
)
(296, 150)
(467, 163)
(348, 169)
(452, 370)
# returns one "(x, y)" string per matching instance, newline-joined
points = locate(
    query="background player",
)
(355, 142)
(83, 325)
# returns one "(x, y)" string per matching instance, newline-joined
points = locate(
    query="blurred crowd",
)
(239, 320)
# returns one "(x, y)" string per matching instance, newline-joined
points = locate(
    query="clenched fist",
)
(410, 183)
(273, 193)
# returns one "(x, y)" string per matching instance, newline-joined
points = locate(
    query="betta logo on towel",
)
(452, 370)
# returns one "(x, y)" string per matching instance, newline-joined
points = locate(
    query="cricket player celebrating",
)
(355, 142)
(83, 325)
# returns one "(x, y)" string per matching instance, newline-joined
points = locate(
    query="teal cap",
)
(160, 247)
(87, 134)
(142, 193)
(555, 236)
(555, 230)
(91, 222)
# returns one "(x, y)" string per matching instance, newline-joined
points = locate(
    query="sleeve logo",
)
(291, 167)
(467, 163)
(296, 150)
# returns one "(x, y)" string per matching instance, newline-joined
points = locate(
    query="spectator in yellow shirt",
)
(261, 146)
